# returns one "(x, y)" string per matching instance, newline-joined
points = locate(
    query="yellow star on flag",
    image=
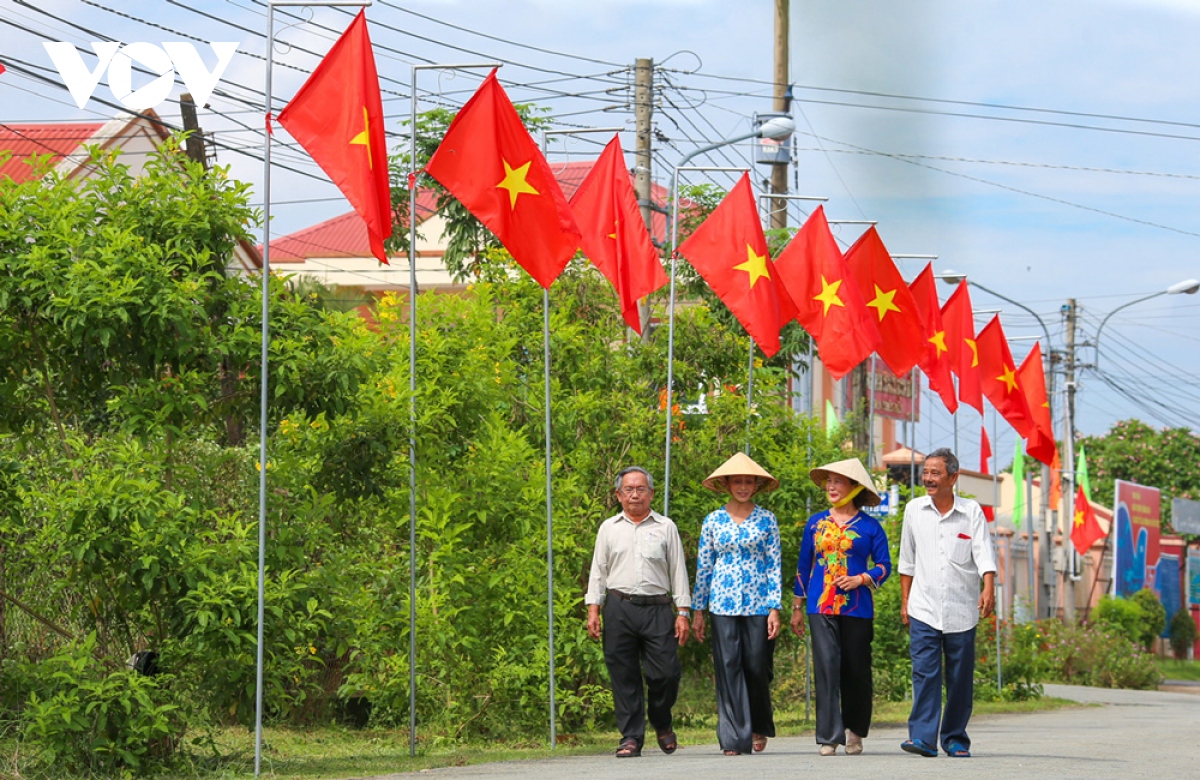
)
(364, 138)
(828, 295)
(939, 341)
(755, 265)
(974, 352)
(883, 302)
(616, 227)
(514, 182)
(1078, 517)
(1009, 377)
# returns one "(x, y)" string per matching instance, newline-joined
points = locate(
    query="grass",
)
(1180, 670)
(332, 752)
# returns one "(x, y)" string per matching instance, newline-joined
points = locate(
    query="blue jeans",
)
(928, 646)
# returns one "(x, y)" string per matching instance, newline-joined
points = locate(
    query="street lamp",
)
(1186, 287)
(776, 128)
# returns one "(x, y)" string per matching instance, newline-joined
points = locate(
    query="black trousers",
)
(841, 649)
(637, 640)
(742, 661)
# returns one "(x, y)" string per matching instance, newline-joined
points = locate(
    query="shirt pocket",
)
(961, 551)
(654, 546)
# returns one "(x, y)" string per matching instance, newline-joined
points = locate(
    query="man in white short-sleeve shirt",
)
(945, 552)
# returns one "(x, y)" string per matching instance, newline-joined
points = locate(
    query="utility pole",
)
(195, 139)
(1068, 516)
(643, 113)
(779, 171)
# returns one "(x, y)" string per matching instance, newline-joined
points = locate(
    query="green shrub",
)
(1098, 655)
(1125, 616)
(1155, 616)
(86, 717)
(1183, 633)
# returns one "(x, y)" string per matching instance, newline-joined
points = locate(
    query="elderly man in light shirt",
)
(639, 579)
(945, 550)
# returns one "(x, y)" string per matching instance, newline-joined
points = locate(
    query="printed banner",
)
(1167, 585)
(1137, 514)
(1193, 577)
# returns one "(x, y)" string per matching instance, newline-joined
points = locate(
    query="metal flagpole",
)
(549, 481)
(263, 396)
(995, 537)
(912, 435)
(265, 373)
(671, 298)
(749, 394)
(871, 414)
(812, 389)
(413, 176)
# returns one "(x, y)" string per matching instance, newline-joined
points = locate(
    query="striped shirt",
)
(946, 556)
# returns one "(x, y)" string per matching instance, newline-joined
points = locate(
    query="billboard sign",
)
(1136, 515)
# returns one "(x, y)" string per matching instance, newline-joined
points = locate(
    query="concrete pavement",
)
(1132, 734)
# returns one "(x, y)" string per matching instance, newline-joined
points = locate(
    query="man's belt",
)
(640, 601)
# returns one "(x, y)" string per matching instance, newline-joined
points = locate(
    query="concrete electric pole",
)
(779, 171)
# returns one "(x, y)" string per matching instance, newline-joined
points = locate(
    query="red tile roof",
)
(346, 236)
(342, 236)
(25, 140)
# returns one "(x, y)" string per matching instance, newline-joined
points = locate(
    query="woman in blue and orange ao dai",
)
(739, 583)
(843, 558)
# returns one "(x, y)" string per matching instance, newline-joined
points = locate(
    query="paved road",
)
(1135, 734)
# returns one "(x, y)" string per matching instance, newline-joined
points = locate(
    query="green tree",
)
(1168, 459)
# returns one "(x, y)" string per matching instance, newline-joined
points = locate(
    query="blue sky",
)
(1037, 203)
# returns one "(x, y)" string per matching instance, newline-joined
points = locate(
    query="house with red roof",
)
(66, 144)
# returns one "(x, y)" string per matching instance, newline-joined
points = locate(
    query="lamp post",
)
(776, 127)
(1186, 287)
(1043, 592)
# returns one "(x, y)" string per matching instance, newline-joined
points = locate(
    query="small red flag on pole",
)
(488, 161)
(730, 252)
(337, 116)
(1086, 528)
(615, 237)
(829, 306)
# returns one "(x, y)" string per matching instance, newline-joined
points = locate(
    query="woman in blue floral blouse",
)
(843, 558)
(738, 582)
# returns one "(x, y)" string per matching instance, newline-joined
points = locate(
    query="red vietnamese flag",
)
(615, 237)
(936, 363)
(960, 343)
(985, 453)
(1032, 378)
(901, 331)
(730, 252)
(491, 164)
(829, 305)
(1085, 530)
(998, 378)
(337, 116)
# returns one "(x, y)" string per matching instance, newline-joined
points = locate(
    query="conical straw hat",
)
(740, 463)
(853, 469)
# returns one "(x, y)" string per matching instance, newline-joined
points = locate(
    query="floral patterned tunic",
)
(830, 550)
(739, 567)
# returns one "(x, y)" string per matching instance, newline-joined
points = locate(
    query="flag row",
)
(852, 304)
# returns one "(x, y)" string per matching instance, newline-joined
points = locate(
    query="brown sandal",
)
(628, 748)
(667, 741)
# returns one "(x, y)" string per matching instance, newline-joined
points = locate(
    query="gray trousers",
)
(743, 666)
(641, 639)
(841, 648)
